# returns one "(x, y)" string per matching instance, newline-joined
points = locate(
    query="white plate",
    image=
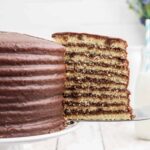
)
(36, 138)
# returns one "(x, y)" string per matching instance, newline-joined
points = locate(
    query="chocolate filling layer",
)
(73, 88)
(76, 95)
(108, 41)
(72, 54)
(72, 103)
(92, 64)
(76, 112)
(118, 59)
(92, 46)
(95, 72)
(85, 79)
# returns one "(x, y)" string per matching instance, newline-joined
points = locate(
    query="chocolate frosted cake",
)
(97, 77)
(32, 75)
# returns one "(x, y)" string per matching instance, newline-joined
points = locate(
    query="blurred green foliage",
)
(141, 7)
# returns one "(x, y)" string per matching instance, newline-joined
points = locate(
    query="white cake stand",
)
(27, 143)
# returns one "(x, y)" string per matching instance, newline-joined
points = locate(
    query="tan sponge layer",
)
(113, 116)
(101, 41)
(80, 92)
(95, 108)
(95, 100)
(96, 69)
(112, 78)
(94, 85)
(111, 53)
(81, 59)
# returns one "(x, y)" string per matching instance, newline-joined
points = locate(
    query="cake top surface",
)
(12, 40)
(109, 39)
(87, 34)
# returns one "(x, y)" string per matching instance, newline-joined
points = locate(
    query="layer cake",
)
(97, 77)
(32, 75)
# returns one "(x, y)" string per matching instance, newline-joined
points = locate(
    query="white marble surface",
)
(108, 17)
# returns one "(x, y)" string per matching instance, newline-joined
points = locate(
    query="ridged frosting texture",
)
(32, 75)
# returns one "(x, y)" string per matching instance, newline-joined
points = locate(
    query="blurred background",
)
(117, 18)
(43, 17)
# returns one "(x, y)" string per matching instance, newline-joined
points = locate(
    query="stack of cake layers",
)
(97, 77)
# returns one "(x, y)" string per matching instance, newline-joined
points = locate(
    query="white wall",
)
(43, 17)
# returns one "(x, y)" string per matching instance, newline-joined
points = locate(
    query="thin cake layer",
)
(100, 116)
(80, 77)
(96, 65)
(95, 60)
(88, 92)
(88, 100)
(90, 52)
(101, 41)
(82, 113)
(96, 69)
(93, 85)
(89, 109)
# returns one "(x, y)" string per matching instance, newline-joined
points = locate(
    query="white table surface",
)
(95, 136)
(44, 17)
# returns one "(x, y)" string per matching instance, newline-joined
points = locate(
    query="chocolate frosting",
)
(27, 44)
(32, 76)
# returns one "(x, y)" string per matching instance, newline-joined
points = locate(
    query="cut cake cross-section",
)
(97, 77)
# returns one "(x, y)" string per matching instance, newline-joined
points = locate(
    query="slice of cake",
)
(32, 75)
(97, 77)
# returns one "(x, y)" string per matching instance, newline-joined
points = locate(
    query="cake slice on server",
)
(97, 77)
